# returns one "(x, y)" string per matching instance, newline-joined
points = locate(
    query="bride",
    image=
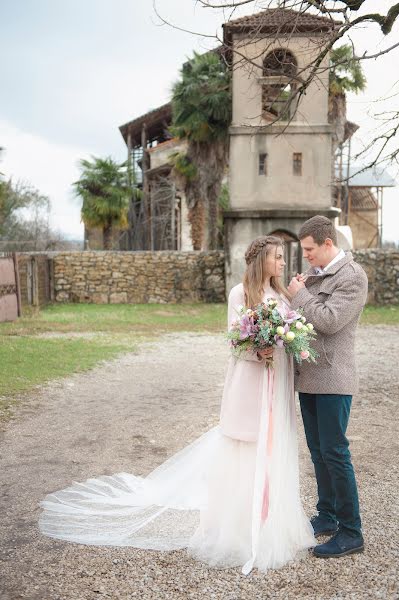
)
(232, 496)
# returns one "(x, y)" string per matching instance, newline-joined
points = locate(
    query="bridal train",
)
(229, 502)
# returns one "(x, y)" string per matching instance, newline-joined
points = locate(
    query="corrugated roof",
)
(361, 177)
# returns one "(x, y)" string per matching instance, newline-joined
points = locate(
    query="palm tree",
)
(104, 188)
(346, 75)
(201, 106)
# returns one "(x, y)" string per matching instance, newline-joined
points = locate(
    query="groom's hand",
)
(295, 286)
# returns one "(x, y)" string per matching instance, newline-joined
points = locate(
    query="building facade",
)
(280, 170)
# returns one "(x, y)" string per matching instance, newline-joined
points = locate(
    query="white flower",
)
(249, 311)
(303, 319)
(290, 336)
(280, 330)
(310, 326)
(298, 325)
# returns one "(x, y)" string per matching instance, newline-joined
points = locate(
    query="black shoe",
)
(341, 544)
(323, 527)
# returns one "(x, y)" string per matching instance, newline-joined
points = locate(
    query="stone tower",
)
(280, 168)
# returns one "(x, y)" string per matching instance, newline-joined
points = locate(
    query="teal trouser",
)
(325, 417)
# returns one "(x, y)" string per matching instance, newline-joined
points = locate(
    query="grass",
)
(381, 315)
(62, 339)
(119, 318)
(28, 361)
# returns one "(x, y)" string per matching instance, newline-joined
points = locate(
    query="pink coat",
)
(242, 394)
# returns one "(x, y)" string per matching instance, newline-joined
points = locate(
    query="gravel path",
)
(131, 414)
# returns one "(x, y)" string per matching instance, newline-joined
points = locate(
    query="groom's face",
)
(317, 256)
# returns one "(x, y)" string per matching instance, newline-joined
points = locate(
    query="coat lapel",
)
(311, 273)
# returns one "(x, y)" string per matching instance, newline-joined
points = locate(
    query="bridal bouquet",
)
(264, 327)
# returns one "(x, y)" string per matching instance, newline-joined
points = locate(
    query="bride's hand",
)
(266, 353)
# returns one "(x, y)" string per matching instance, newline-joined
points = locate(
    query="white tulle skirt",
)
(229, 502)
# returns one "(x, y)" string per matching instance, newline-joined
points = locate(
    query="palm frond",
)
(346, 74)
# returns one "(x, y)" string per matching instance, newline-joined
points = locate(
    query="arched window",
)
(279, 72)
(280, 62)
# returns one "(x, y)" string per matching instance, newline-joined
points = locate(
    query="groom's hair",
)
(320, 228)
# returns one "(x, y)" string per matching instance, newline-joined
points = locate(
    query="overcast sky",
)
(73, 71)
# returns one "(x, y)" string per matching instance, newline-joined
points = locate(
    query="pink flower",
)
(304, 354)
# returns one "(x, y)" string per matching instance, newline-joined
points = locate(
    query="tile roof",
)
(281, 20)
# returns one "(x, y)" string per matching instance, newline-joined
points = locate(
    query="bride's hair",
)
(255, 272)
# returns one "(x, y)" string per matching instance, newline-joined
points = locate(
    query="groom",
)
(332, 295)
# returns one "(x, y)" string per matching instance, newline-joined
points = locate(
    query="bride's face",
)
(275, 263)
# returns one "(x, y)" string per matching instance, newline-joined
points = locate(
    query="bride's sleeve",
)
(236, 300)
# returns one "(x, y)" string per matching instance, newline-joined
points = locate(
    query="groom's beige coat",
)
(333, 302)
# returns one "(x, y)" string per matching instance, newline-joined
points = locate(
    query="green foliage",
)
(201, 100)
(224, 204)
(224, 197)
(346, 74)
(183, 165)
(105, 191)
(302, 343)
(24, 214)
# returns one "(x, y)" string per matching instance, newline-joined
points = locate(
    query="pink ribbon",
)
(269, 442)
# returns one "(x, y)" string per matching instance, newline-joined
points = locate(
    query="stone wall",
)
(382, 268)
(161, 277)
(139, 277)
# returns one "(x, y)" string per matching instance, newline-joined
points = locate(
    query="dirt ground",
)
(132, 413)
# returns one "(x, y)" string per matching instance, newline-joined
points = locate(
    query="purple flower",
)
(279, 341)
(292, 316)
(246, 327)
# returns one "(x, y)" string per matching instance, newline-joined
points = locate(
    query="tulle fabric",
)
(229, 502)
